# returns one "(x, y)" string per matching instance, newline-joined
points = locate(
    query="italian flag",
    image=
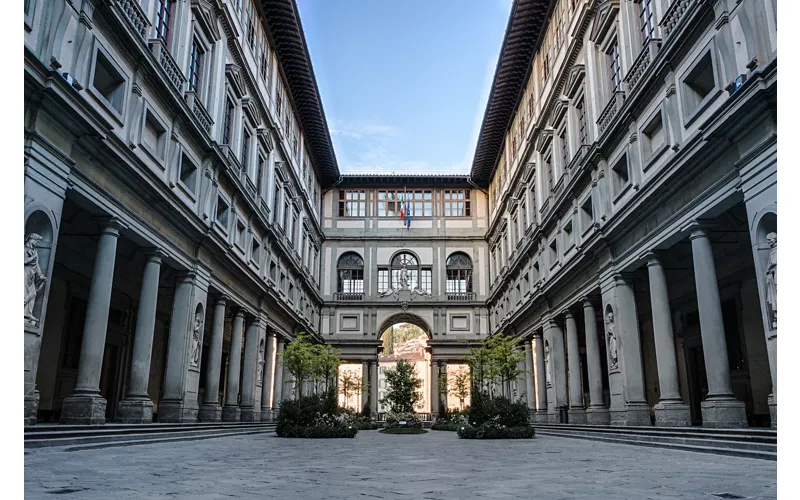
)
(402, 208)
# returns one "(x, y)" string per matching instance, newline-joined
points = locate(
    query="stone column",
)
(442, 397)
(137, 408)
(86, 405)
(434, 388)
(637, 411)
(277, 397)
(373, 375)
(268, 378)
(365, 384)
(252, 343)
(210, 410)
(231, 411)
(720, 409)
(541, 379)
(670, 410)
(577, 413)
(289, 384)
(558, 367)
(529, 388)
(182, 372)
(597, 413)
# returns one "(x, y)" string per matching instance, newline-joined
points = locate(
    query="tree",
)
(349, 385)
(402, 395)
(495, 361)
(459, 387)
(308, 361)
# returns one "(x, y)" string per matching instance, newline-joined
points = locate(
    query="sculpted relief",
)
(194, 355)
(34, 277)
(771, 280)
(611, 337)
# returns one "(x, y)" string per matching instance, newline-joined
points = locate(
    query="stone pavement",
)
(433, 466)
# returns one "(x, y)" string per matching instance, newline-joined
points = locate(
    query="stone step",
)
(73, 438)
(717, 447)
(749, 435)
(159, 438)
(57, 431)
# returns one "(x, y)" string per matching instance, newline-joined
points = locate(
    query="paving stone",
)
(434, 466)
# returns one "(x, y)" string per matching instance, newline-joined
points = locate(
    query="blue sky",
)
(404, 83)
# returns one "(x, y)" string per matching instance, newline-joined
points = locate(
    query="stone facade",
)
(189, 218)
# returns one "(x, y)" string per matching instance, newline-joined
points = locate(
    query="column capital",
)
(240, 312)
(653, 257)
(221, 299)
(586, 302)
(624, 278)
(110, 225)
(153, 254)
(567, 314)
(697, 228)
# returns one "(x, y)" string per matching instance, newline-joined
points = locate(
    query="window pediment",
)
(250, 109)
(233, 73)
(574, 80)
(203, 11)
(544, 140)
(606, 16)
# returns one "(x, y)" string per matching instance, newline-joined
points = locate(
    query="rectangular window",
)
(188, 173)
(548, 163)
(163, 20)
(456, 203)
(108, 82)
(418, 202)
(647, 19)
(259, 173)
(265, 65)
(425, 279)
(383, 280)
(587, 214)
(195, 65)
(564, 149)
(153, 135)
(620, 175)
(240, 233)
(276, 201)
(616, 70)
(352, 203)
(255, 251)
(227, 123)
(524, 215)
(286, 216)
(582, 130)
(222, 212)
(245, 146)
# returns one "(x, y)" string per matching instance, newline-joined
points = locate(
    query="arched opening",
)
(405, 341)
(350, 281)
(459, 277)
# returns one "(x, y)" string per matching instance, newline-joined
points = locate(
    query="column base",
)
(80, 409)
(577, 416)
(540, 417)
(250, 415)
(231, 413)
(266, 414)
(724, 414)
(32, 407)
(173, 411)
(135, 411)
(772, 403)
(552, 418)
(673, 414)
(209, 412)
(637, 414)
(597, 415)
(617, 416)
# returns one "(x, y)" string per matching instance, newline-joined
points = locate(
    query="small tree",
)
(496, 360)
(349, 385)
(459, 386)
(402, 395)
(307, 361)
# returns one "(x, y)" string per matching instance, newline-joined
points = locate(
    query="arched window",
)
(459, 277)
(411, 264)
(350, 269)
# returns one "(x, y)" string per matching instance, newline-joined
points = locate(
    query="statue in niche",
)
(34, 277)
(612, 338)
(405, 277)
(260, 365)
(196, 350)
(771, 283)
(547, 365)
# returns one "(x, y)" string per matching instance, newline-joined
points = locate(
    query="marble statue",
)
(612, 339)
(196, 350)
(34, 277)
(405, 278)
(771, 282)
(260, 365)
(547, 365)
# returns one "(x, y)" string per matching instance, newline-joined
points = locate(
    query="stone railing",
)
(562, 181)
(199, 111)
(168, 64)
(640, 65)
(673, 15)
(461, 296)
(576, 160)
(610, 111)
(265, 208)
(348, 296)
(233, 162)
(135, 16)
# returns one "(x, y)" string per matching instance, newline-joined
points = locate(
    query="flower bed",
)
(491, 432)
(450, 421)
(402, 420)
(318, 431)
(403, 430)
(314, 416)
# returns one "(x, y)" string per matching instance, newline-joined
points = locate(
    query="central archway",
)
(404, 340)
(405, 317)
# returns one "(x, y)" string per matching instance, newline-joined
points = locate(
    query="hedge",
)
(491, 432)
(319, 431)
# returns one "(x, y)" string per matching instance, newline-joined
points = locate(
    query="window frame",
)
(345, 203)
(116, 114)
(449, 203)
(458, 271)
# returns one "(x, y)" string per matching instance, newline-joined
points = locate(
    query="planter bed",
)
(486, 432)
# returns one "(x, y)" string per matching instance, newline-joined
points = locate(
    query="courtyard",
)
(433, 466)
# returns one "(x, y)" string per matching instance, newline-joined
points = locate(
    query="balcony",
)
(348, 296)
(135, 16)
(168, 64)
(674, 14)
(249, 185)
(610, 111)
(465, 296)
(577, 159)
(199, 111)
(640, 65)
(233, 162)
(562, 181)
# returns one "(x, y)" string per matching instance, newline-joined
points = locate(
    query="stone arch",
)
(404, 317)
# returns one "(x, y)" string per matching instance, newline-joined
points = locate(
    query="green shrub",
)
(402, 420)
(500, 409)
(445, 426)
(451, 420)
(314, 416)
(318, 431)
(489, 431)
(403, 430)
